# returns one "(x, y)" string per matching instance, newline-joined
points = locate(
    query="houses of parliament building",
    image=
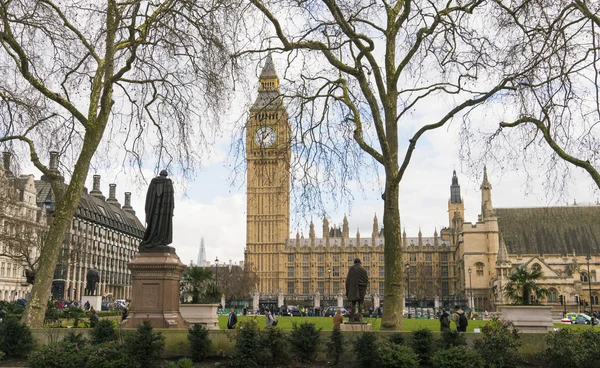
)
(465, 263)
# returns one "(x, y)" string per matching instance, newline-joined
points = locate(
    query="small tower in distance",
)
(201, 254)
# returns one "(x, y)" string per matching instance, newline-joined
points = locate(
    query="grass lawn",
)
(326, 323)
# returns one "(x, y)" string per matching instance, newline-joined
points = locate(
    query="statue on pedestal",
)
(356, 288)
(160, 203)
(91, 278)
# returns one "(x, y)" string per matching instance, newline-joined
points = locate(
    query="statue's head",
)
(356, 260)
(164, 173)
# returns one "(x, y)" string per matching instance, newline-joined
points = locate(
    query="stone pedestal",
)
(155, 290)
(356, 326)
(529, 318)
(95, 302)
(204, 314)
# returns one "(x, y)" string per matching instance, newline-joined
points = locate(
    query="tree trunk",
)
(33, 315)
(394, 269)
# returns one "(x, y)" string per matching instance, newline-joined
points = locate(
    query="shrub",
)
(335, 345)
(396, 356)
(62, 354)
(15, 338)
(145, 346)
(365, 349)
(248, 350)
(104, 332)
(456, 357)
(75, 338)
(305, 339)
(75, 314)
(199, 342)
(422, 342)
(396, 338)
(182, 363)
(571, 349)
(52, 314)
(275, 344)
(112, 354)
(499, 343)
(2, 355)
(452, 338)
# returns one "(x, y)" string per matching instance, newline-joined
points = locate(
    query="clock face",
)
(265, 136)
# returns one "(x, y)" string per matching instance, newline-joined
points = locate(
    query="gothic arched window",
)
(479, 268)
(552, 295)
(583, 277)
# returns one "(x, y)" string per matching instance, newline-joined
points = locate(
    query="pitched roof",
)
(550, 230)
(95, 210)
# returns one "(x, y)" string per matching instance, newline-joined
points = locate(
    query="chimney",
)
(112, 199)
(6, 159)
(96, 192)
(54, 161)
(127, 207)
(53, 167)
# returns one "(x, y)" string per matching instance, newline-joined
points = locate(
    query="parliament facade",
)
(465, 263)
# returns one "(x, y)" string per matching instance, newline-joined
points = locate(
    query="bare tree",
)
(556, 109)
(424, 282)
(359, 73)
(237, 283)
(148, 75)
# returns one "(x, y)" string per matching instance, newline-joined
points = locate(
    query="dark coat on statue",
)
(356, 283)
(160, 203)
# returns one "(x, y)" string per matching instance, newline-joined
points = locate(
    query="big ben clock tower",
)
(268, 154)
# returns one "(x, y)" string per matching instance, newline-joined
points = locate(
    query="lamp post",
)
(408, 287)
(217, 277)
(589, 276)
(470, 290)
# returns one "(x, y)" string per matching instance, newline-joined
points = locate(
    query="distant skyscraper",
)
(201, 253)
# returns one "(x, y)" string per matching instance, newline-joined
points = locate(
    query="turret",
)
(420, 237)
(345, 228)
(486, 196)
(311, 234)
(375, 229)
(455, 203)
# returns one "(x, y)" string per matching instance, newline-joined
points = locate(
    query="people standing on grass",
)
(444, 321)
(269, 317)
(460, 319)
(232, 319)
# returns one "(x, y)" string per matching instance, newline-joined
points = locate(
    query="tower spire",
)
(486, 196)
(455, 190)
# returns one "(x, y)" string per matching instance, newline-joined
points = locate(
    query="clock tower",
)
(268, 155)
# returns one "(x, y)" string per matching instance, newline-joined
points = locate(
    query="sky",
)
(213, 204)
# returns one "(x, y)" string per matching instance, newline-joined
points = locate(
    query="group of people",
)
(458, 316)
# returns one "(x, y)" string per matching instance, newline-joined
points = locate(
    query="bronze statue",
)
(160, 202)
(356, 288)
(30, 276)
(91, 278)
